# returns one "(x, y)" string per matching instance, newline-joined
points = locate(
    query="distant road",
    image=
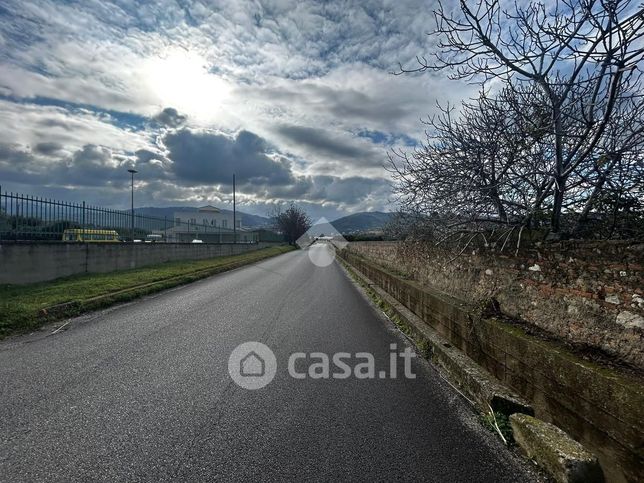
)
(142, 393)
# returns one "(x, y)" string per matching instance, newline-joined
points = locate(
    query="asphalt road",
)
(141, 392)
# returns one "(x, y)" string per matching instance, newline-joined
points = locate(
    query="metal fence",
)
(26, 217)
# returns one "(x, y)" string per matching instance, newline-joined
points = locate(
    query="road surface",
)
(141, 392)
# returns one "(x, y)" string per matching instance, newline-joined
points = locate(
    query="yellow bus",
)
(80, 235)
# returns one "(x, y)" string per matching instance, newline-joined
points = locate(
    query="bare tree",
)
(571, 98)
(478, 166)
(292, 222)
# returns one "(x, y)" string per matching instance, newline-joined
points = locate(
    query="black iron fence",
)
(26, 217)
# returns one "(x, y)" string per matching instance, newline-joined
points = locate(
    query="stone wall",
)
(588, 294)
(29, 262)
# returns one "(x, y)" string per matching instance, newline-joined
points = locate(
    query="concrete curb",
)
(475, 383)
(554, 450)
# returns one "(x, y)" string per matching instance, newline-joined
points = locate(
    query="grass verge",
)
(27, 307)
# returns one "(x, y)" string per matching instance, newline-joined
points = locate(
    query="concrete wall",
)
(600, 407)
(22, 263)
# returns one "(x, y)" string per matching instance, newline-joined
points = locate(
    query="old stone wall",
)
(589, 294)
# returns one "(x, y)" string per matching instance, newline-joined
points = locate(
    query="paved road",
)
(142, 392)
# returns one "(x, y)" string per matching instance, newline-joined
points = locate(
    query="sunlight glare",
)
(180, 79)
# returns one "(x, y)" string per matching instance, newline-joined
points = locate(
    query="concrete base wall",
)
(22, 263)
(598, 406)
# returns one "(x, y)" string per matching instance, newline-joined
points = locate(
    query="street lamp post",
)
(132, 172)
(234, 213)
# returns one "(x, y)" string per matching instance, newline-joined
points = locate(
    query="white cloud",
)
(30, 124)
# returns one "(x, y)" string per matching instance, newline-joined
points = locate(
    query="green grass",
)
(27, 307)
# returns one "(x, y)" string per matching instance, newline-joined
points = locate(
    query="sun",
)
(182, 80)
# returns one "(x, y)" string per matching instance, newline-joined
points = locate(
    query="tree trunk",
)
(583, 218)
(503, 216)
(555, 221)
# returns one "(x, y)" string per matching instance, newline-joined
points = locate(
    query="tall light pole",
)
(234, 213)
(132, 172)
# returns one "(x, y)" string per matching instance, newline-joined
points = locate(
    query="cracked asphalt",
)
(141, 392)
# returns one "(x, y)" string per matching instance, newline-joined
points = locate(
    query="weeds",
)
(494, 420)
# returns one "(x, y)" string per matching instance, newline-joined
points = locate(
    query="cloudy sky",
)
(295, 97)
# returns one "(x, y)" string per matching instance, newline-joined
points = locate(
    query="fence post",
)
(165, 228)
(18, 219)
(15, 210)
(83, 224)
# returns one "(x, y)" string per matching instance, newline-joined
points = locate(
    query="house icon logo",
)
(252, 365)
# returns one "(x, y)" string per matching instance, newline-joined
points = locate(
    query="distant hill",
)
(248, 220)
(366, 221)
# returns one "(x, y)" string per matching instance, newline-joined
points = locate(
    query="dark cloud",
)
(208, 157)
(91, 155)
(379, 106)
(170, 117)
(12, 153)
(196, 159)
(332, 190)
(90, 166)
(320, 141)
(354, 105)
(192, 162)
(48, 148)
(148, 156)
(18, 165)
(59, 123)
(354, 189)
(145, 155)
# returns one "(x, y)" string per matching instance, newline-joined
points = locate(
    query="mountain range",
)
(365, 221)
(362, 222)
